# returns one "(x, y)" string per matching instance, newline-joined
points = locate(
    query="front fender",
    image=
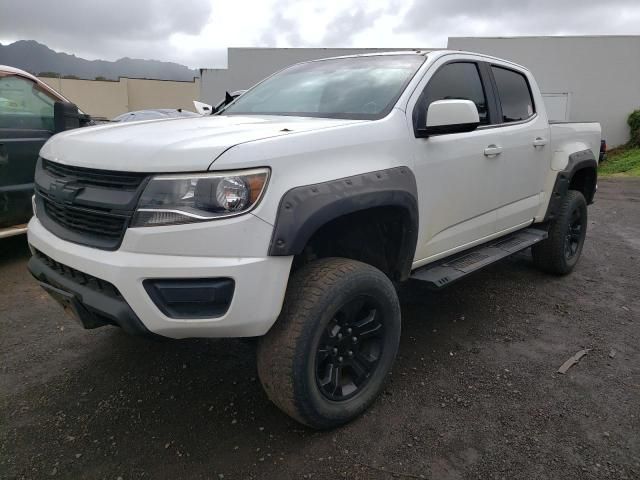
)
(303, 210)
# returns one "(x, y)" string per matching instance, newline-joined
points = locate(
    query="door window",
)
(458, 81)
(514, 94)
(24, 104)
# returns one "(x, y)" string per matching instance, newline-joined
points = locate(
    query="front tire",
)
(327, 357)
(559, 253)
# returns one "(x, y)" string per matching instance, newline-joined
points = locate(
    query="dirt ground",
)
(474, 393)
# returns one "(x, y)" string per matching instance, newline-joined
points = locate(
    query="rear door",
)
(524, 138)
(26, 122)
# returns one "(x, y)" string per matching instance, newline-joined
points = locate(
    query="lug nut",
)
(340, 359)
(339, 336)
(354, 339)
(350, 353)
(349, 330)
(334, 351)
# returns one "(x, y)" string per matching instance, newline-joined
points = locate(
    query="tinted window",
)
(24, 104)
(514, 93)
(356, 87)
(457, 81)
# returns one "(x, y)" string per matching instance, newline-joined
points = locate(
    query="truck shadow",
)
(13, 249)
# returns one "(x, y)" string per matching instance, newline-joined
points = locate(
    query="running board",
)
(11, 231)
(442, 273)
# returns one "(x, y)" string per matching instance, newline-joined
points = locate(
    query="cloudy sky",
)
(197, 32)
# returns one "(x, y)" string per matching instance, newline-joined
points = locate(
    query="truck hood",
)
(171, 145)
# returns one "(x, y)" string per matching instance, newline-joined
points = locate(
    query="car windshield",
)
(356, 87)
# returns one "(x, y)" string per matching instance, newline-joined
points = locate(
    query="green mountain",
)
(36, 58)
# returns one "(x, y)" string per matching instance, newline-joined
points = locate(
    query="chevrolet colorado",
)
(294, 212)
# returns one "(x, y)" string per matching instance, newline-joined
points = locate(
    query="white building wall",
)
(247, 66)
(599, 76)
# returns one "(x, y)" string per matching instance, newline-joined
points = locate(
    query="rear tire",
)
(560, 252)
(327, 357)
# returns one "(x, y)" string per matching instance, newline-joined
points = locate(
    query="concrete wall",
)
(247, 66)
(601, 75)
(106, 99)
(162, 94)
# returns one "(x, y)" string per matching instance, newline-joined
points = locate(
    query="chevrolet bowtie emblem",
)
(64, 192)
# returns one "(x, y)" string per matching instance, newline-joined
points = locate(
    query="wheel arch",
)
(305, 211)
(581, 173)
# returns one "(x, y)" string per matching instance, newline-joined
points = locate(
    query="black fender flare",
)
(577, 161)
(303, 210)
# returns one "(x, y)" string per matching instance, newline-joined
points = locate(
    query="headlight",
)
(188, 198)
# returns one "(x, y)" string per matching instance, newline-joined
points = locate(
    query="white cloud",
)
(197, 32)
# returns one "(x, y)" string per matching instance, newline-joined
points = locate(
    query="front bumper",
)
(260, 284)
(94, 303)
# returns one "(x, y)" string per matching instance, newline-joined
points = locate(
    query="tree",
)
(634, 125)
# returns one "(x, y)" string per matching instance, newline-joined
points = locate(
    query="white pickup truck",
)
(295, 212)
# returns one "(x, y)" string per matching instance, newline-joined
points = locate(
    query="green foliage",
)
(101, 78)
(634, 124)
(73, 77)
(622, 161)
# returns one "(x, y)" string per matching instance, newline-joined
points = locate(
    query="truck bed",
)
(574, 137)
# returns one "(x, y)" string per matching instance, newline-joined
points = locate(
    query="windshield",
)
(355, 87)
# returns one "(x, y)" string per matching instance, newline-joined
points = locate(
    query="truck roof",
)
(8, 69)
(424, 53)
(22, 73)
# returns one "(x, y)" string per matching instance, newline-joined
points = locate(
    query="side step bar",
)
(11, 231)
(441, 273)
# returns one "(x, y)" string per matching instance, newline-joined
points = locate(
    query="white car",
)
(295, 212)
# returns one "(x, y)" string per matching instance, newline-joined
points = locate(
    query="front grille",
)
(86, 206)
(90, 176)
(79, 277)
(83, 220)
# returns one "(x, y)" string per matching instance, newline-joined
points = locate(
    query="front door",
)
(457, 180)
(26, 122)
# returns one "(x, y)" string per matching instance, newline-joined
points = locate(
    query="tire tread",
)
(548, 255)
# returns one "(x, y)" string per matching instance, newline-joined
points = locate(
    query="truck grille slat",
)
(90, 176)
(85, 221)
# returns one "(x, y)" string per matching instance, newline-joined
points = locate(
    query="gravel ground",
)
(474, 393)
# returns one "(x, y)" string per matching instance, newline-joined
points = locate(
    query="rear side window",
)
(457, 81)
(514, 94)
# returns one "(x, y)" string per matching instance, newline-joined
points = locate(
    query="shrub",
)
(634, 125)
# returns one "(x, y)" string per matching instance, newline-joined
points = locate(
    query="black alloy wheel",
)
(575, 234)
(349, 349)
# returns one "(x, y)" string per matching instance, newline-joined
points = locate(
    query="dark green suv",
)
(27, 119)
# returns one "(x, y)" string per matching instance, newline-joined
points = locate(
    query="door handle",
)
(539, 142)
(492, 151)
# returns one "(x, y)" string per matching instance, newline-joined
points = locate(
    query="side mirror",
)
(66, 116)
(450, 116)
(203, 108)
